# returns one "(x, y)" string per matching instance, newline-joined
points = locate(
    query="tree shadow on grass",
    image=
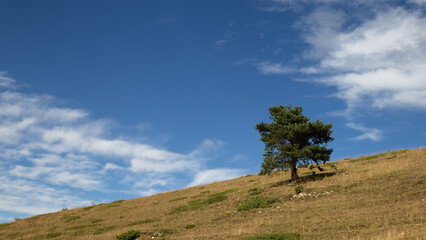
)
(303, 179)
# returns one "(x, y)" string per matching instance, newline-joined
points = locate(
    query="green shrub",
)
(281, 236)
(214, 199)
(46, 236)
(96, 220)
(254, 191)
(224, 192)
(198, 203)
(69, 218)
(257, 202)
(298, 189)
(177, 199)
(190, 226)
(129, 235)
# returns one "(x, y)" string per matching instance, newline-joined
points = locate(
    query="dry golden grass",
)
(373, 197)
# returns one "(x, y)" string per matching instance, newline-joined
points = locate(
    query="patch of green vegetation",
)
(47, 236)
(5, 225)
(87, 208)
(198, 203)
(279, 236)
(165, 231)
(150, 220)
(257, 202)
(248, 175)
(224, 192)
(155, 203)
(96, 220)
(205, 192)
(365, 158)
(298, 189)
(118, 201)
(189, 226)
(129, 235)
(177, 199)
(202, 187)
(70, 218)
(102, 230)
(192, 205)
(252, 180)
(254, 191)
(399, 151)
(218, 198)
(107, 206)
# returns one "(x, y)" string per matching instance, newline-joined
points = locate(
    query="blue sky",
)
(107, 100)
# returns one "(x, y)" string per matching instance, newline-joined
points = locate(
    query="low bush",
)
(190, 226)
(129, 235)
(279, 236)
(298, 189)
(254, 191)
(257, 202)
(214, 199)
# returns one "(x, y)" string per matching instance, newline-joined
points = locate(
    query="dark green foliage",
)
(129, 235)
(87, 208)
(198, 203)
(281, 236)
(47, 236)
(254, 191)
(96, 220)
(190, 226)
(292, 140)
(224, 192)
(298, 189)
(177, 199)
(217, 198)
(69, 218)
(257, 202)
(102, 230)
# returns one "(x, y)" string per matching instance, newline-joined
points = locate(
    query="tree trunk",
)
(294, 175)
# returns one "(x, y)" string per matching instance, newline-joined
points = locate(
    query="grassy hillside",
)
(372, 197)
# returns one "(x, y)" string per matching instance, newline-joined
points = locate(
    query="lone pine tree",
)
(292, 140)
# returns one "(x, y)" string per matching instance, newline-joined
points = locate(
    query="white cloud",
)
(48, 153)
(368, 133)
(214, 175)
(6, 81)
(379, 63)
(269, 68)
(382, 63)
(30, 198)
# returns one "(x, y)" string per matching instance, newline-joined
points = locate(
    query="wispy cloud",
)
(226, 39)
(381, 63)
(214, 175)
(268, 68)
(367, 133)
(48, 152)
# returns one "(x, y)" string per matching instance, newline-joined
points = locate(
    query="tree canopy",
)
(292, 140)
